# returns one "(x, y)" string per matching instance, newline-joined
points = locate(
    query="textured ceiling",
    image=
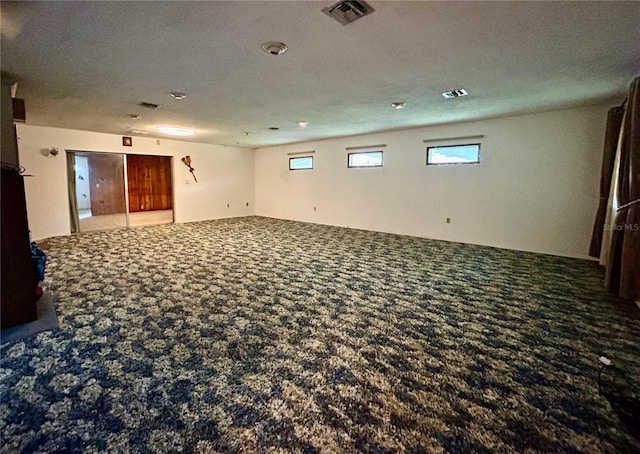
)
(86, 65)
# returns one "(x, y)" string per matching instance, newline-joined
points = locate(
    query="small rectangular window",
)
(365, 159)
(301, 163)
(454, 154)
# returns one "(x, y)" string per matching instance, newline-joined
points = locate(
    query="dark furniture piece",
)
(18, 286)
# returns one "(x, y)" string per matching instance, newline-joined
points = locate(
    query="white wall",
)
(536, 188)
(225, 175)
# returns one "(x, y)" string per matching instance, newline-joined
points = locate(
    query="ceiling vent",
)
(149, 105)
(347, 11)
(455, 93)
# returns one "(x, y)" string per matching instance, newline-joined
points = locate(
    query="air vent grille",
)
(348, 11)
(455, 93)
(149, 105)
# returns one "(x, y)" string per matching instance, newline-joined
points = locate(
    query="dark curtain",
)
(623, 268)
(614, 123)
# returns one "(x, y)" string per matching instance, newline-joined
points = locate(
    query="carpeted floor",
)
(261, 335)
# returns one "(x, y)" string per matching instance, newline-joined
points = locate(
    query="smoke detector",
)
(274, 47)
(455, 93)
(178, 95)
(348, 11)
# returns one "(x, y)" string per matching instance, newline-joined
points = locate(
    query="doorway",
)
(114, 190)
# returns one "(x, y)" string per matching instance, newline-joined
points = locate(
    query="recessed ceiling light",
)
(398, 105)
(176, 131)
(178, 95)
(246, 133)
(455, 93)
(303, 124)
(134, 116)
(138, 132)
(274, 47)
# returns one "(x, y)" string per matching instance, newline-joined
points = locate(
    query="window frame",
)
(293, 158)
(478, 144)
(349, 166)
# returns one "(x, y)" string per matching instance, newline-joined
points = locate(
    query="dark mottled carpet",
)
(262, 335)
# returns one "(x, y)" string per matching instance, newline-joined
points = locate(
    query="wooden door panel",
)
(106, 176)
(149, 179)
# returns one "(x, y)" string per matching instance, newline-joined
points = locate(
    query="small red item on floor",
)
(38, 292)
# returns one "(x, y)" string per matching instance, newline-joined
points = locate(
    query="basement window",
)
(365, 159)
(454, 154)
(301, 163)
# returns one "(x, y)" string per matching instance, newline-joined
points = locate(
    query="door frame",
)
(126, 181)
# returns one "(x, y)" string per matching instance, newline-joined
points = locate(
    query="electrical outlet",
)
(448, 220)
(227, 205)
(247, 203)
(315, 209)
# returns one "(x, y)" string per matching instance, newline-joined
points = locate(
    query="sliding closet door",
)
(150, 189)
(112, 190)
(107, 204)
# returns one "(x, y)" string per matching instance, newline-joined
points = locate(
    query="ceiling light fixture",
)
(303, 124)
(138, 132)
(274, 47)
(178, 95)
(455, 93)
(398, 105)
(171, 130)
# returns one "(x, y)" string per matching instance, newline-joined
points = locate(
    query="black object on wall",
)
(19, 112)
